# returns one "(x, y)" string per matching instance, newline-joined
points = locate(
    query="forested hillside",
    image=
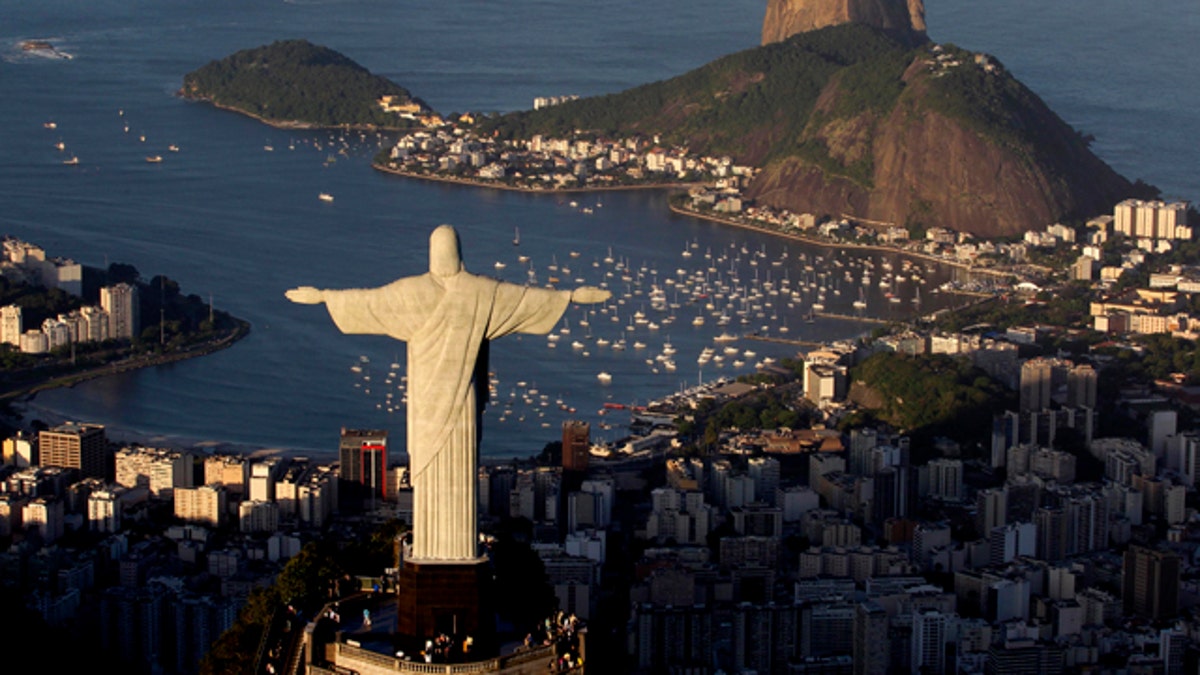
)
(297, 82)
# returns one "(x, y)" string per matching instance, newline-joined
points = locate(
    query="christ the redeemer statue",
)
(447, 316)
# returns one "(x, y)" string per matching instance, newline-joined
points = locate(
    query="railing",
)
(265, 640)
(487, 666)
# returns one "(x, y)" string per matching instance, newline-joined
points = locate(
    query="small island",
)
(296, 84)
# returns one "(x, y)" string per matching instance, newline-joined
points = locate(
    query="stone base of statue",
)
(436, 597)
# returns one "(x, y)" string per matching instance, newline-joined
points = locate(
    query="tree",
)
(121, 273)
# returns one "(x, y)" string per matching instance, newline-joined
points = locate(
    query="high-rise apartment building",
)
(20, 450)
(362, 454)
(92, 325)
(946, 479)
(1036, 376)
(929, 632)
(75, 446)
(159, 470)
(264, 474)
(204, 504)
(1151, 219)
(991, 510)
(765, 471)
(870, 639)
(576, 441)
(1081, 386)
(1150, 586)
(45, 516)
(11, 326)
(124, 311)
(862, 442)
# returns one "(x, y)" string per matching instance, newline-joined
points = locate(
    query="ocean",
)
(234, 214)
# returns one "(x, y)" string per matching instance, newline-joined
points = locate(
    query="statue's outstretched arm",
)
(589, 295)
(306, 295)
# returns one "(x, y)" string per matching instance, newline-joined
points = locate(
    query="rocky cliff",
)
(962, 147)
(785, 18)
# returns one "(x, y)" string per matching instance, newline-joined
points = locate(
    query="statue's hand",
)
(306, 295)
(588, 295)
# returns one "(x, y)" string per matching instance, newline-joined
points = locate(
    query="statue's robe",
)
(447, 322)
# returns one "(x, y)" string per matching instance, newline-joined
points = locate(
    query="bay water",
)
(234, 214)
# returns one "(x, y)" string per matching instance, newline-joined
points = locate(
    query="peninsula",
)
(296, 84)
(62, 322)
(853, 119)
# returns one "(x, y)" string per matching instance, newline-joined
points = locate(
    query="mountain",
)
(297, 83)
(855, 120)
(785, 18)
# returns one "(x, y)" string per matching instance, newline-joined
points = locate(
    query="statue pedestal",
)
(454, 598)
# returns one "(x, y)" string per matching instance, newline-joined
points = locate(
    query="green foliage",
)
(770, 409)
(920, 213)
(297, 81)
(938, 394)
(183, 319)
(371, 555)
(1162, 355)
(523, 595)
(816, 152)
(37, 303)
(119, 273)
(1001, 109)
(871, 85)
(867, 89)
(12, 359)
(303, 582)
(1067, 306)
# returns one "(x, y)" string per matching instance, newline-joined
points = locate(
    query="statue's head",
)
(445, 253)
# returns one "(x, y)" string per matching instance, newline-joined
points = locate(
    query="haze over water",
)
(228, 217)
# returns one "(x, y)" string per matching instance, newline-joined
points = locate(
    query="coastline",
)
(837, 245)
(470, 182)
(294, 125)
(28, 392)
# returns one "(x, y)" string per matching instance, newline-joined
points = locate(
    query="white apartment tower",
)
(45, 515)
(10, 325)
(124, 316)
(203, 504)
(929, 629)
(93, 325)
(104, 511)
(158, 470)
(58, 333)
